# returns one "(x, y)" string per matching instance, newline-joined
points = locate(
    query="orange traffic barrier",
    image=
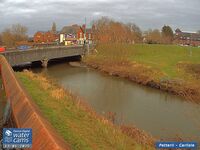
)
(25, 113)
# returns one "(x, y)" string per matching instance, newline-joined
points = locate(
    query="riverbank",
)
(166, 67)
(76, 122)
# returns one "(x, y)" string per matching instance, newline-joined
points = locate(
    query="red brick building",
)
(45, 37)
(186, 38)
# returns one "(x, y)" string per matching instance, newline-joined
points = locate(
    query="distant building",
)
(62, 38)
(68, 35)
(70, 29)
(187, 38)
(70, 41)
(67, 39)
(75, 35)
(45, 37)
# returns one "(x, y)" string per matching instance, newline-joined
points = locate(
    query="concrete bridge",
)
(18, 57)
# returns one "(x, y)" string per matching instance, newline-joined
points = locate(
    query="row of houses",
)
(186, 38)
(69, 35)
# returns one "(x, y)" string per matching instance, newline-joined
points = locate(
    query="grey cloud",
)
(39, 15)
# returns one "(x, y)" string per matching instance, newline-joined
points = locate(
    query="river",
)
(158, 113)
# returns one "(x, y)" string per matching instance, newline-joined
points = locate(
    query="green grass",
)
(77, 126)
(162, 57)
(165, 57)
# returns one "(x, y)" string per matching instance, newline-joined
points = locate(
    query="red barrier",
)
(26, 114)
(2, 49)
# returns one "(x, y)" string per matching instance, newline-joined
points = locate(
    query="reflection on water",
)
(159, 113)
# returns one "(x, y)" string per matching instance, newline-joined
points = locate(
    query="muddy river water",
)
(158, 113)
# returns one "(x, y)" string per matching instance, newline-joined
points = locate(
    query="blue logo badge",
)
(17, 138)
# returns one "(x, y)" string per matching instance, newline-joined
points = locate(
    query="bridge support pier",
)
(44, 62)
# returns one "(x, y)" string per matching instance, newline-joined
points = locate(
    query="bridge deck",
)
(18, 57)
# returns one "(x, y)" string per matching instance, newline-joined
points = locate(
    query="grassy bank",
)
(76, 122)
(167, 67)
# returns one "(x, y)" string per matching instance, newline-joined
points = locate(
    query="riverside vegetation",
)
(170, 68)
(76, 122)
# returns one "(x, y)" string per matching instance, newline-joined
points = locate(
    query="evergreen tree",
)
(167, 31)
(167, 34)
(53, 29)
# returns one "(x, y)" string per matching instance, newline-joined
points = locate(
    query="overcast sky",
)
(39, 14)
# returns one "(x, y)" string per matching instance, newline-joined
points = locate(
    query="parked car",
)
(23, 47)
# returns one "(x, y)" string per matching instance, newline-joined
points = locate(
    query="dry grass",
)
(139, 135)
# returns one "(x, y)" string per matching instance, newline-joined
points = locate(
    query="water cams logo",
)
(17, 138)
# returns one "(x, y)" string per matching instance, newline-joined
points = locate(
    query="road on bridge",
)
(17, 57)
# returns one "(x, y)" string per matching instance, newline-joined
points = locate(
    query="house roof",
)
(70, 29)
(185, 35)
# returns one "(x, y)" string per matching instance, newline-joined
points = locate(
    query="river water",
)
(158, 113)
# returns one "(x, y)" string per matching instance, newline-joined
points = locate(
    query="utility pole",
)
(85, 30)
(85, 38)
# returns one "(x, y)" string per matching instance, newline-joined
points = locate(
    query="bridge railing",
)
(31, 55)
(25, 113)
(44, 48)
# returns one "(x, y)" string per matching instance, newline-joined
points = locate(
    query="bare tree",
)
(108, 30)
(153, 36)
(19, 32)
(136, 32)
(13, 35)
(7, 38)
